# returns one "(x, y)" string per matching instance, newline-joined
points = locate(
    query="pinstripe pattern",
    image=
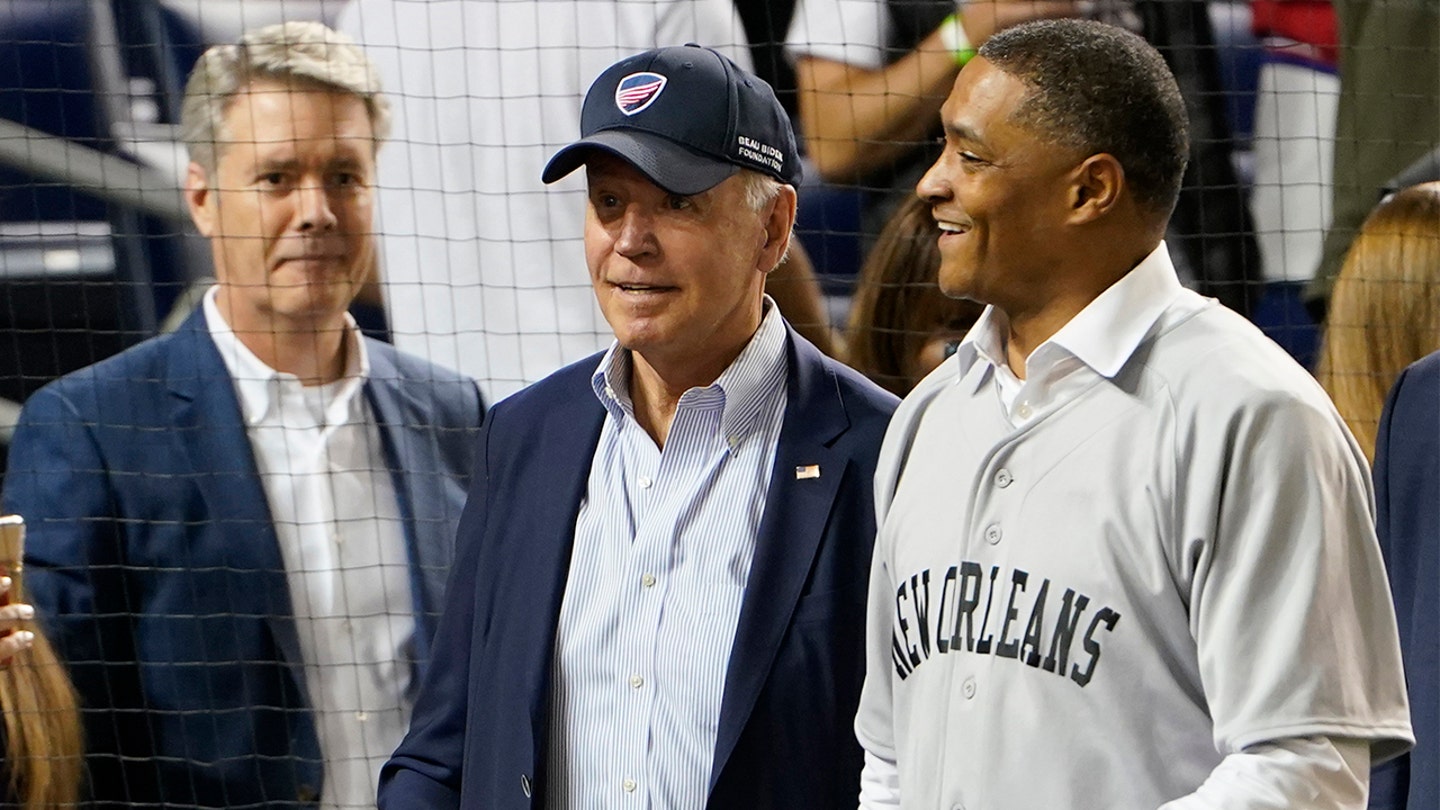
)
(663, 547)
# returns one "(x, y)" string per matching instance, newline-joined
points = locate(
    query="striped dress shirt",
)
(663, 546)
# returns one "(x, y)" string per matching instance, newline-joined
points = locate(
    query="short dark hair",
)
(1099, 88)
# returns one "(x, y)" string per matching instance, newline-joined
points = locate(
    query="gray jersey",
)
(1092, 609)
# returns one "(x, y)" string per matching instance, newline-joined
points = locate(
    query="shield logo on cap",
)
(638, 91)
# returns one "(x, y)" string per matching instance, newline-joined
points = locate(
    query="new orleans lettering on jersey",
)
(950, 615)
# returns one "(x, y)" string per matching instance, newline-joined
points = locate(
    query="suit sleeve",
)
(425, 771)
(58, 481)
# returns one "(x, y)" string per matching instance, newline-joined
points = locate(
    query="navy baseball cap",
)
(686, 117)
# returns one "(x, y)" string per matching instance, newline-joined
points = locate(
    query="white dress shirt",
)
(663, 546)
(338, 522)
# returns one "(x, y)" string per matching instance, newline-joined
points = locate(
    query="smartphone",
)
(12, 556)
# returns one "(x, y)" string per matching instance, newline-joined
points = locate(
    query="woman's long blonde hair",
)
(1385, 309)
(44, 746)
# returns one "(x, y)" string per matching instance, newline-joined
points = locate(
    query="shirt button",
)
(968, 688)
(992, 533)
(1003, 478)
(628, 785)
(362, 716)
(648, 580)
(636, 681)
(645, 482)
(1024, 411)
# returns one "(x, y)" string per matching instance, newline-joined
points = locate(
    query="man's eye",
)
(970, 157)
(676, 202)
(272, 178)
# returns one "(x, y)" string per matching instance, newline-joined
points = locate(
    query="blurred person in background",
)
(1385, 308)
(901, 325)
(871, 76)
(240, 531)
(1388, 114)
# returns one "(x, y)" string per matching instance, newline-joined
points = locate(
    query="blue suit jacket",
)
(152, 554)
(786, 738)
(1407, 493)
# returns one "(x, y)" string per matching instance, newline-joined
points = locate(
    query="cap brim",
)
(675, 168)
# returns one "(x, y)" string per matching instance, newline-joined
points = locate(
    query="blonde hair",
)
(307, 52)
(1385, 309)
(44, 745)
(898, 303)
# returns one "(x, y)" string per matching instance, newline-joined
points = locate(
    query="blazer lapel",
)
(210, 428)
(803, 487)
(559, 473)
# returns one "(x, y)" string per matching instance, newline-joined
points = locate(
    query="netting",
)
(1304, 115)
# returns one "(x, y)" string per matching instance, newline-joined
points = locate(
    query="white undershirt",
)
(338, 524)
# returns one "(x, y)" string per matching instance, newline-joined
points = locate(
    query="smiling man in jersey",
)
(1126, 557)
(659, 597)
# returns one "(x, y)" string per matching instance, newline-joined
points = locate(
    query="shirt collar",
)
(741, 389)
(258, 385)
(1103, 335)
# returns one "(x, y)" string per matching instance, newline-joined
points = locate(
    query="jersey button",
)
(968, 688)
(645, 481)
(648, 580)
(628, 785)
(1003, 478)
(992, 533)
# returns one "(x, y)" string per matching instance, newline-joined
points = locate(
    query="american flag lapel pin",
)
(805, 471)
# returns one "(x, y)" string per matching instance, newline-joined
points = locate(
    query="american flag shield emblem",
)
(638, 91)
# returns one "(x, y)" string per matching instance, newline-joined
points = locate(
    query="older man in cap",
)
(659, 593)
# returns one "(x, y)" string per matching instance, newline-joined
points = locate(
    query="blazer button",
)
(307, 793)
(525, 785)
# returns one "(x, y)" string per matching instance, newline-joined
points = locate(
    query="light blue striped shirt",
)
(663, 546)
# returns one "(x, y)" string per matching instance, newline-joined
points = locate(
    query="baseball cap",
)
(686, 117)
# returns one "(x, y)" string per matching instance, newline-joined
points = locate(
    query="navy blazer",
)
(151, 553)
(786, 736)
(1407, 494)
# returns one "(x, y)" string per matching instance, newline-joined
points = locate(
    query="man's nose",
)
(636, 233)
(313, 208)
(934, 186)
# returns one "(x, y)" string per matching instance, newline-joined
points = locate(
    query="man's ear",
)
(200, 199)
(779, 227)
(1096, 188)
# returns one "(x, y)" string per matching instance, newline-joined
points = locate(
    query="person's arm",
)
(857, 119)
(875, 719)
(1289, 571)
(1317, 773)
